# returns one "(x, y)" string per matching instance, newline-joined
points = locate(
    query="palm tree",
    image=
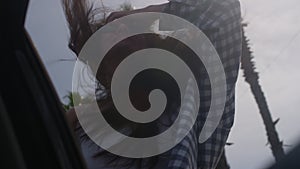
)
(252, 77)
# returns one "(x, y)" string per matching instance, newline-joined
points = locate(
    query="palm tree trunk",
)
(251, 77)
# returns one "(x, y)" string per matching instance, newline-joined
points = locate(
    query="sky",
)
(274, 33)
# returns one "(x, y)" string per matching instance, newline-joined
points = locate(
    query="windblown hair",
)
(81, 18)
(82, 21)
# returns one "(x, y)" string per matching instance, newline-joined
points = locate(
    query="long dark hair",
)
(83, 20)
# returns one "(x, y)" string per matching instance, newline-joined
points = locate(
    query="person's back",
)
(220, 21)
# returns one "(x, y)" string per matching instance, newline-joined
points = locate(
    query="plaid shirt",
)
(220, 20)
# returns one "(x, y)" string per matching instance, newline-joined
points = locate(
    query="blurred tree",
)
(71, 97)
(126, 6)
(70, 100)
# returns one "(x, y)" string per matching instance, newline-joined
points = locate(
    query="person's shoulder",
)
(229, 10)
(227, 5)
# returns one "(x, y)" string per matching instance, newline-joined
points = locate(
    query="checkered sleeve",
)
(220, 20)
(184, 155)
(226, 37)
